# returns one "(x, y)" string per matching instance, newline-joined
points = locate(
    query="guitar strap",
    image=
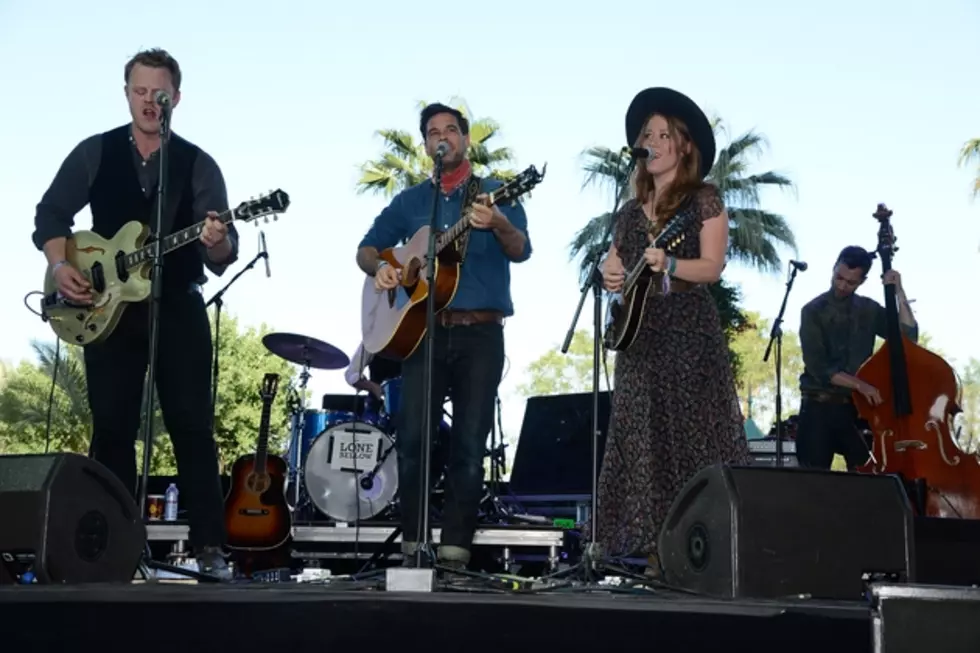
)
(470, 192)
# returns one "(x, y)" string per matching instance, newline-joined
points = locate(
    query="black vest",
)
(116, 198)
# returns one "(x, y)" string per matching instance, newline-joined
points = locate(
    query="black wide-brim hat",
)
(669, 102)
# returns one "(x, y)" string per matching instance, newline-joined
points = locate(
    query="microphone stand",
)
(424, 545)
(776, 336)
(592, 557)
(218, 302)
(156, 292)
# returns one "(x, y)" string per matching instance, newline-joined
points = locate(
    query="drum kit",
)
(341, 463)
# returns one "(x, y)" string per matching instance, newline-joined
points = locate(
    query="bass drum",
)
(351, 471)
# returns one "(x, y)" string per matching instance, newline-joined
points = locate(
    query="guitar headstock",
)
(270, 386)
(519, 185)
(672, 234)
(273, 203)
(886, 236)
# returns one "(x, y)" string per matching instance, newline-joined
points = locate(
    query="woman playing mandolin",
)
(675, 409)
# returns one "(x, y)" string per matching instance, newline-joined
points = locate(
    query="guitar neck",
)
(638, 270)
(262, 447)
(447, 237)
(174, 241)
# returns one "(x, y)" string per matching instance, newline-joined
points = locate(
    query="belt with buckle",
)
(468, 318)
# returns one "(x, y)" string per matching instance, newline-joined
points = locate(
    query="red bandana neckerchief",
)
(454, 178)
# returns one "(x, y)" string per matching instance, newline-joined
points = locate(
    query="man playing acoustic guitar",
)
(469, 341)
(116, 174)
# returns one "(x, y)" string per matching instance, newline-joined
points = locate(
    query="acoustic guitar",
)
(393, 322)
(119, 270)
(257, 517)
(625, 309)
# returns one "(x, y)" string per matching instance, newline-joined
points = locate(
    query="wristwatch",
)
(381, 264)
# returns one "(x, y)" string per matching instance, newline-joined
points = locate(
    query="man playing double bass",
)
(837, 334)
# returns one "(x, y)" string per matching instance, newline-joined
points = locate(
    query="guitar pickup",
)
(97, 277)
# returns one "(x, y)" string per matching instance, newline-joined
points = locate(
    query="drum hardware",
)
(347, 493)
(308, 353)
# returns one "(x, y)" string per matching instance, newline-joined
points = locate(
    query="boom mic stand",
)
(218, 302)
(776, 336)
(592, 558)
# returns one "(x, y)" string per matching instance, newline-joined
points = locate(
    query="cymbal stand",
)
(296, 437)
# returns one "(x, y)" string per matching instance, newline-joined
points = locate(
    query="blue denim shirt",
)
(484, 282)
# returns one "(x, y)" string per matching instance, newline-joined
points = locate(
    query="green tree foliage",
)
(555, 373)
(756, 379)
(970, 155)
(25, 389)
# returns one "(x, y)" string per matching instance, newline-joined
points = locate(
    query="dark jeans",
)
(469, 361)
(827, 428)
(116, 371)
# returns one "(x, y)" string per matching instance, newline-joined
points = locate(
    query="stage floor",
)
(186, 617)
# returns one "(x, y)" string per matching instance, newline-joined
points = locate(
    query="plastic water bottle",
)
(170, 504)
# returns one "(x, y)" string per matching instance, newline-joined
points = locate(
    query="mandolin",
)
(119, 270)
(393, 322)
(625, 309)
(257, 517)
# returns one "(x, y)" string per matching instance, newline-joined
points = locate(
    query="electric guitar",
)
(257, 517)
(624, 311)
(119, 270)
(393, 322)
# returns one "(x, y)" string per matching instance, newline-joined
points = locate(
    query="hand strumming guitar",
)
(72, 284)
(386, 277)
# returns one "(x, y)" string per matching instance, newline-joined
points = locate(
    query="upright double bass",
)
(912, 427)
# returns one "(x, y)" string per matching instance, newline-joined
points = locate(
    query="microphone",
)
(162, 98)
(265, 250)
(640, 152)
(442, 149)
(799, 265)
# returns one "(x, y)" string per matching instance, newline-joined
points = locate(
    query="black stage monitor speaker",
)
(65, 518)
(554, 450)
(769, 532)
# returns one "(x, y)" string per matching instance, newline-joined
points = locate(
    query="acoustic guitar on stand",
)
(257, 516)
(393, 322)
(624, 311)
(119, 270)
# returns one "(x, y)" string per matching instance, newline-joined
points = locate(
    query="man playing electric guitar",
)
(116, 174)
(469, 342)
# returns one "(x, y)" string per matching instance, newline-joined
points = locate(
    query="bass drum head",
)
(338, 471)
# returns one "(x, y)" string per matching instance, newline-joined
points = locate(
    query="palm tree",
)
(754, 232)
(404, 163)
(971, 154)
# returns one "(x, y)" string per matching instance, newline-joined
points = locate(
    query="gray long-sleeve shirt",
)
(69, 194)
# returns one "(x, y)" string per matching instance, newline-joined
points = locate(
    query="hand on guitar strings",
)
(72, 284)
(613, 273)
(215, 231)
(892, 277)
(483, 216)
(655, 258)
(870, 393)
(387, 278)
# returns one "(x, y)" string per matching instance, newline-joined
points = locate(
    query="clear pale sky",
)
(862, 102)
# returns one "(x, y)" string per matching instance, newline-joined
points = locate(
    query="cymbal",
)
(307, 351)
